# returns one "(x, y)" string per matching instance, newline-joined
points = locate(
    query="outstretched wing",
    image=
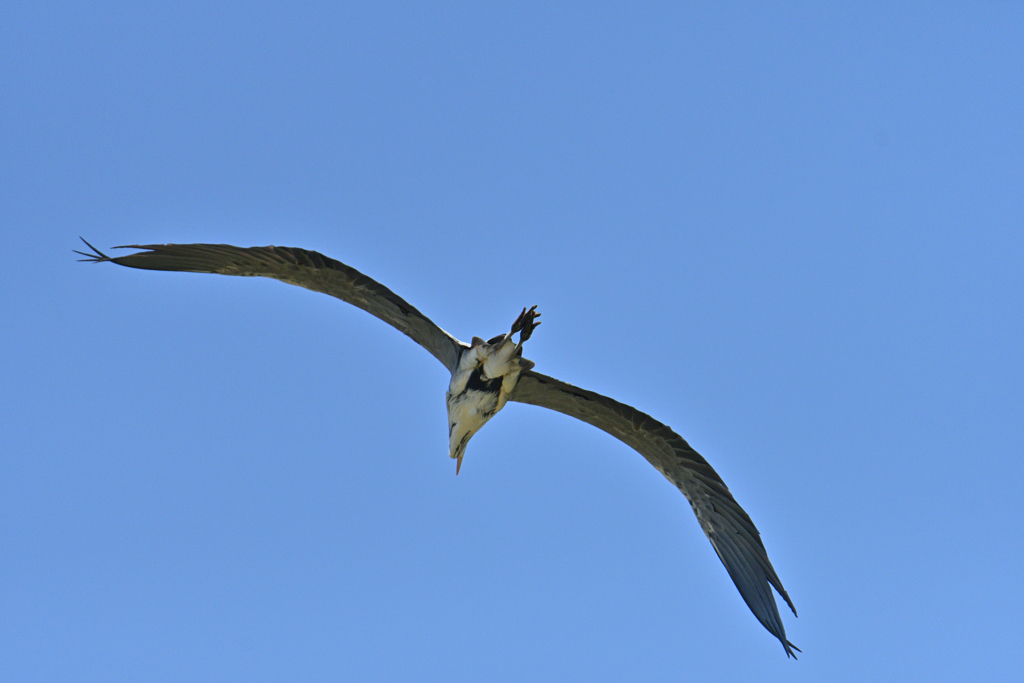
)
(300, 267)
(727, 526)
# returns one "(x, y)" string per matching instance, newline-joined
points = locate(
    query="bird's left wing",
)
(300, 267)
(728, 527)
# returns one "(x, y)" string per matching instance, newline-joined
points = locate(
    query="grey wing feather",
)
(728, 527)
(300, 267)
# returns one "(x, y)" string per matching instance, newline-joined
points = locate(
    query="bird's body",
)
(486, 375)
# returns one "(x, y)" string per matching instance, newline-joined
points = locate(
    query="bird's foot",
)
(526, 323)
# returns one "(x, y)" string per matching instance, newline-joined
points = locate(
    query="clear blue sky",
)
(795, 235)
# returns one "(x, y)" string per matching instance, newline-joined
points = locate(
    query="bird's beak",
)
(458, 464)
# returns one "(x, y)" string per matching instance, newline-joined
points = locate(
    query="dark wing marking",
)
(300, 267)
(732, 534)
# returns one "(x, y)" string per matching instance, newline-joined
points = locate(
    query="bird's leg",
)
(526, 323)
(518, 323)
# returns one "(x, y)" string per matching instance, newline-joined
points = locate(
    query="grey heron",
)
(488, 374)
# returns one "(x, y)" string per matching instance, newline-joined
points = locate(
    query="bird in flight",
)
(488, 374)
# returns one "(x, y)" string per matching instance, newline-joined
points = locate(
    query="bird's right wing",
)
(301, 267)
(728, 527)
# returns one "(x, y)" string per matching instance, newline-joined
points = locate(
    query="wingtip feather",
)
(96, 257)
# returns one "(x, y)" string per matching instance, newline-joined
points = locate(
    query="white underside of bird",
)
(485, 377)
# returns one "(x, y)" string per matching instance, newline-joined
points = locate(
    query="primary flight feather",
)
(488, 374)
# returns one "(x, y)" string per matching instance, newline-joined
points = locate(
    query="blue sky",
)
(796, 235)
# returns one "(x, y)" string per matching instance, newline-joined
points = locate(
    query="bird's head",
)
(460, 450)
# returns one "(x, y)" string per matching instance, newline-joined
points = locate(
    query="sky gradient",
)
(794, 235)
